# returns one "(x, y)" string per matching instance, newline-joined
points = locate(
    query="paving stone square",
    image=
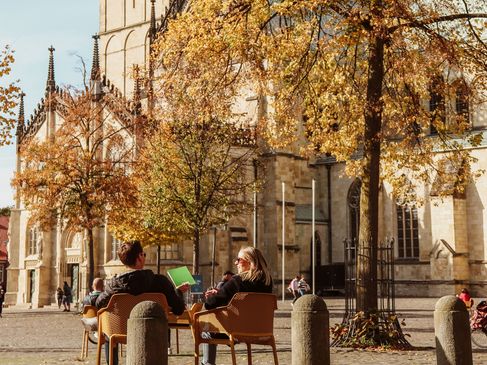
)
(50, 336)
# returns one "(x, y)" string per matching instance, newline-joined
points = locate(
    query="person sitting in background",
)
(97, 287)
(465, 296)
(253, 276)
(227, 275)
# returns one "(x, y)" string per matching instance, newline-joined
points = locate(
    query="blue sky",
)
(30, 27)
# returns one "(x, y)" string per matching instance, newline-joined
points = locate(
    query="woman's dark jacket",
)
(233, 286)
(142, 281)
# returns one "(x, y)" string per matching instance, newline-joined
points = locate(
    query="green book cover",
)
(181, 275)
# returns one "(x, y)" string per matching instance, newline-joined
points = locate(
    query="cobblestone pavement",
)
(50, 336)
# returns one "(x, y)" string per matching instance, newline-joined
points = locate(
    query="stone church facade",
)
(440, 246)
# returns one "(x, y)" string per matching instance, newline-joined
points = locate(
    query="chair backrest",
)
(250, 313)
(113, 318)
(89, 311)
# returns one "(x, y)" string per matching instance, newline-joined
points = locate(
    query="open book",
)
(180, 276)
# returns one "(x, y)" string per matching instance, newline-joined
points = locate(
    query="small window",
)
(407, 232)
(171, 252)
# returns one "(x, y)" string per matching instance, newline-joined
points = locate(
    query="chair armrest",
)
(210, 321)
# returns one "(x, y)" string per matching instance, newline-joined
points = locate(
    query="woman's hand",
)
(210, 293)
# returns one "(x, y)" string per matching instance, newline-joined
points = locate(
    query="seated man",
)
(137, 281)
(97, 287)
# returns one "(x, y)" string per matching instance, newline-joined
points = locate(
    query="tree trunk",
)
(91, 258)
(369, 198)
(196, 251)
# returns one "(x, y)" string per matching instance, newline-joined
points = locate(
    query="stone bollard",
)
(310, 333)
(452, 332)
(147, 335)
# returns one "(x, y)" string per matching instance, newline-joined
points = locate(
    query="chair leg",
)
(110, 352)
(274, 351)
(83, 346)
(86, 344)
(98, 350)
(177, 341)
(196, 353)
(249, 354)
(232, 348)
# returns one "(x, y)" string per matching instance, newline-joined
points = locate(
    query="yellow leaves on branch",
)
(79, 174)
(309, 60)
(8, 96)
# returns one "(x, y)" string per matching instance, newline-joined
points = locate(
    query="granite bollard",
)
(147, 335)
(310, 333)
(452, 332)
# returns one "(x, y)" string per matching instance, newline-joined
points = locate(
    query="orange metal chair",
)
(184, 321)
(112, 320)
(248, 318)
(89, 311)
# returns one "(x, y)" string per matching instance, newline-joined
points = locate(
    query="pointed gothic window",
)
(353, 200)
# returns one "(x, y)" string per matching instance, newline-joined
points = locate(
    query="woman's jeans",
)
(209, 350)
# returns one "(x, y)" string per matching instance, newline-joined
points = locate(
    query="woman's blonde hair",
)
(258, 265)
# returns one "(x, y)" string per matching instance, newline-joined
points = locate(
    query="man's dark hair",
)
(228, 272)
(129, 251)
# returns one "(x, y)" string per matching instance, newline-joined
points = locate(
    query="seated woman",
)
(253, 276)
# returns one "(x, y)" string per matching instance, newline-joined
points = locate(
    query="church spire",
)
(152, 28)
(95, 78)
(21, 118)
(51, 83)
(95, 66)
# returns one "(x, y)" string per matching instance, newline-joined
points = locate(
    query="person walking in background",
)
(303, 286)
(97, 287)
(253, 276)
(67, 297)
(293, 288)
(2, 298)
(59, 297)
(227, 275)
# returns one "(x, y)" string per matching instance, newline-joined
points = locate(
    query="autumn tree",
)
(195, 168)
(197, 175)
(8, 96)
(78, 174)
(355, 76)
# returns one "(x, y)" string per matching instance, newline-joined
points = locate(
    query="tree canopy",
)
(8, 96)
(355, 78)
(79, 173)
